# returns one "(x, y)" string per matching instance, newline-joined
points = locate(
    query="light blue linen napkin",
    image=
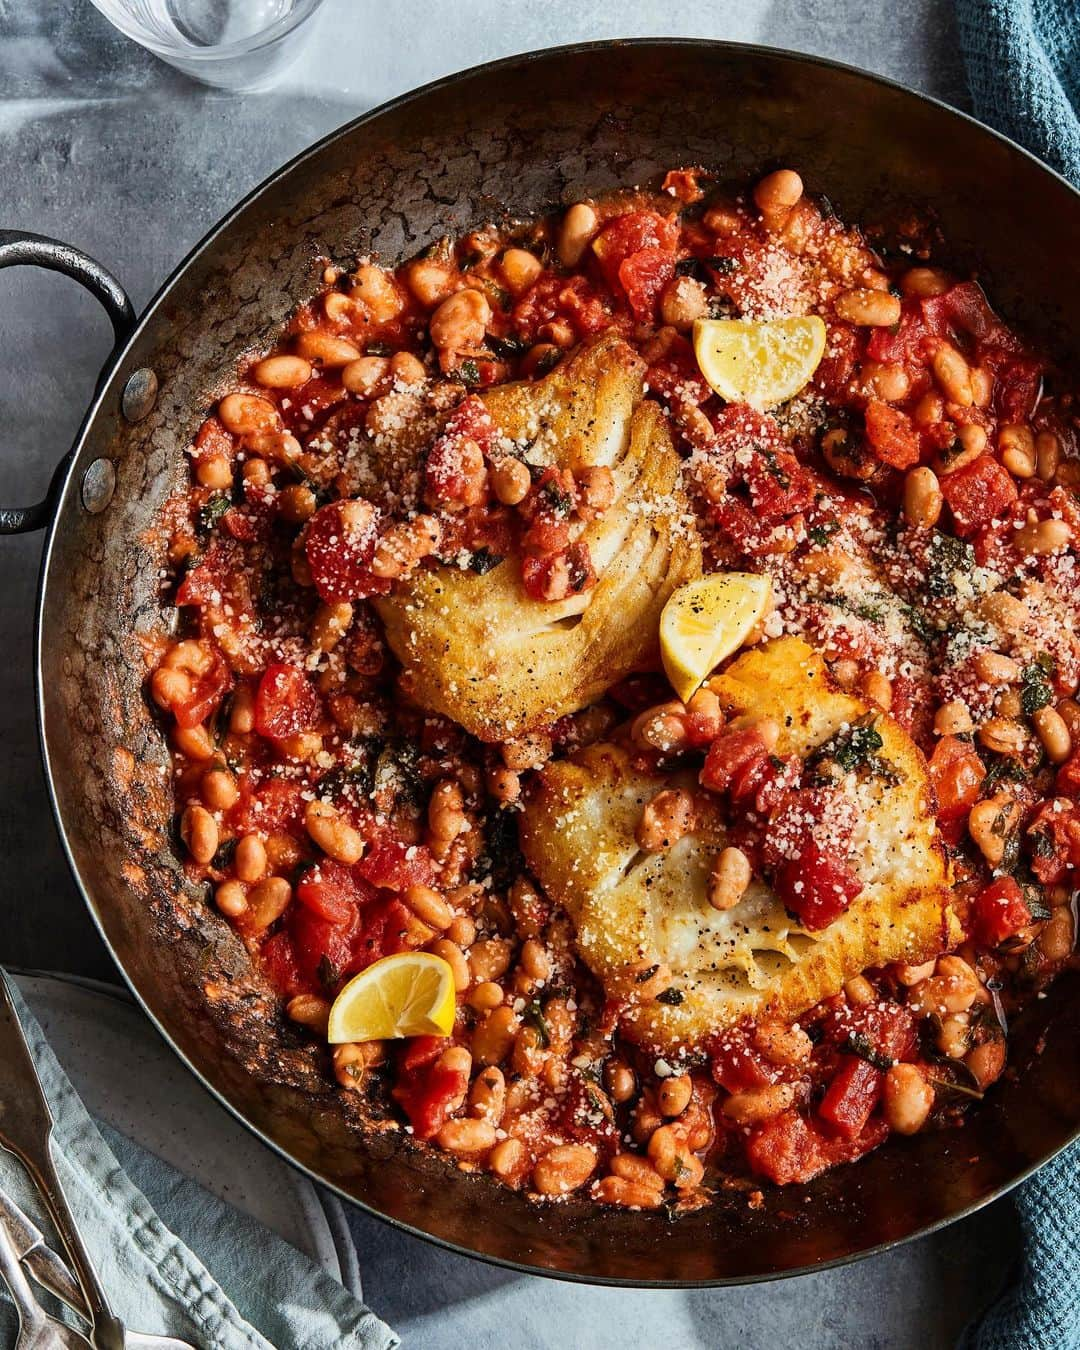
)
(144, 1223)
(1023, 65)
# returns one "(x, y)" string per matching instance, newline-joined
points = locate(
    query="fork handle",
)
(33, 1327)
(106, 1330)
(25, 1129)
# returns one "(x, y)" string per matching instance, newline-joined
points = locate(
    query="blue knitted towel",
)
(1023, 65)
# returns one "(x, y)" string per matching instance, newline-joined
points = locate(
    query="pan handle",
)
(21, 249)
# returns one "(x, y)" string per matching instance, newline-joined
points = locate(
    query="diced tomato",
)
(851, 1097)
(275, 806)
(218, 579)
(324, 950)
(683, 185)
(206, 693)
(429, 1094)
(888, 1028)
(1067, 782)
(279, 961)
(572, 298)
(779, 485)
(957, 773)
(676, 375)
(964, 310)
(384, 927)
(643, 275)
(749, 778)
(789, 1150)
(212, 439)
(343, 921)
(286, 702)
(736, 1065)
(397, 865)
(586, 1115)
(741, 528)
(837, 366)
(729, 755)
(902, 345)
(891, 433)
(329, 891)
(419, 1051)
(554, 576)
(999, 911)
(1018, 381)
(630, 233)
(322, 393)
(977, 494)
(913, 707)
(340, 544)
(815, 887)
(1054, 840)
(767, 781)
(546, 534)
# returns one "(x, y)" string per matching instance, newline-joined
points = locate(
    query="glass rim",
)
(302, 9)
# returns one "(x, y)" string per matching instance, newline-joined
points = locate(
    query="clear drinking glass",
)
(234, 44)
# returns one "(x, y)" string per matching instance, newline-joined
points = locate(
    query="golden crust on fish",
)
(632, 908)
(477, 648)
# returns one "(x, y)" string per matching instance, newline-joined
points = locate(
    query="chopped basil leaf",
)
(821, 534)
(644, 975)
(773, 466)
(483, 561)
(549, 361)
(858, 1043)
(211, 512)
(328, 974)
(534, 1015)
(852, 749)
(223, 856)
(1037, 906)
(950, 1086)
(442, 249)
(557, 498)
(691, 267)
(1035, 691)
(1003, 770)
(921, 625)
(469, 373)
(672, 997)
(508, 347)
(947, 558)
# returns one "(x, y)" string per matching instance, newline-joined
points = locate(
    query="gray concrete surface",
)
(103, 146)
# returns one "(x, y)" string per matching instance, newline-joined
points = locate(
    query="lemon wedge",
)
(762, 364)
(411, 994)
(705, 621)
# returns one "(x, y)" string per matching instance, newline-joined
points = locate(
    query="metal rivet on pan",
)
(140, 394)
(98, 486)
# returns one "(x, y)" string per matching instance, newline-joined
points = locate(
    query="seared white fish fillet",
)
(476, 648)
(633, 909)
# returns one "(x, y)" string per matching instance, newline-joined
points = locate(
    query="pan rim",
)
(160, 297)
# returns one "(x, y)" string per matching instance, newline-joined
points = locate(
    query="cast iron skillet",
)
(517, 137)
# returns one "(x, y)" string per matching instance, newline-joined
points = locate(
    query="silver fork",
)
(37, 1330)
(26, 1125)
(44, 1266)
